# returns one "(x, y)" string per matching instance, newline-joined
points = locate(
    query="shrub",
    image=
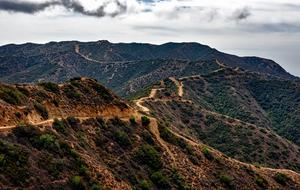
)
(41, 110)
(281, 178)
(149, 156)
(178, 180)
(145, 185)
(122, 138)
(160, 180)
(83, 170)
(72, 93)
(73, 122)
(210, 120)
(147, 137)
(95, 187)
(51, 87)
(59, 126)
(47, 141)
(14, 163)
(167, 135)
(132, 120)
(11, 95)
(25, 131)
(227, 180)
(102, 91)
(207, 154)
(52, 165)
(76, 182)
(145, 121)
(101, 122)
(260, 181)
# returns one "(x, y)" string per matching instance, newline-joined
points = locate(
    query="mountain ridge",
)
(144, 51)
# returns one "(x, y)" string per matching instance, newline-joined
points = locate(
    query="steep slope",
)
(36, 103)
(219, 110)
(265, 101)
(93, 146)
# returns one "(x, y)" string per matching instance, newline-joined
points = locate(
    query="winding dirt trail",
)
(155, 131)
(45, 122)
(77, 50)
(179, 85)
(140, 101)
(180, 91)
(139, 104)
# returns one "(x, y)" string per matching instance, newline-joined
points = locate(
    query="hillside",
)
(125, 68)
(221, 109)
(79, 135)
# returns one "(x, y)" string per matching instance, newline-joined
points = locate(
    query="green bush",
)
(167, 135)
(95, 187)
(41, 110)
(281, 178)
(53, 165)
(227, 180)
(179, 180)
(73, 122)
(210, 120)
(47, 141)
(25, 131)
(76, 183)
(145, 185)
(132, 120)
(261, 182)
(11, 95)
(145, 121)
(207, 154)
(122, 138)
(149, 156)
(59, 126)
(14, 163)
(160, 180)
(51, 87)
(71, 93)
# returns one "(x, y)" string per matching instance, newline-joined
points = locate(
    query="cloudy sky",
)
(266, 28)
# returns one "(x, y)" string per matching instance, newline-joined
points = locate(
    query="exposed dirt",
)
(77, 50)
(179, 85)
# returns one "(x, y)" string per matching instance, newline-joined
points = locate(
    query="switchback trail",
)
(179, 86)
(140, 101)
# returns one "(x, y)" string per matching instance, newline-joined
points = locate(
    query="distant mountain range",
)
(125, 68)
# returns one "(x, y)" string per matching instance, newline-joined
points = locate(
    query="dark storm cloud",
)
(71, 5)
(24, 7)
